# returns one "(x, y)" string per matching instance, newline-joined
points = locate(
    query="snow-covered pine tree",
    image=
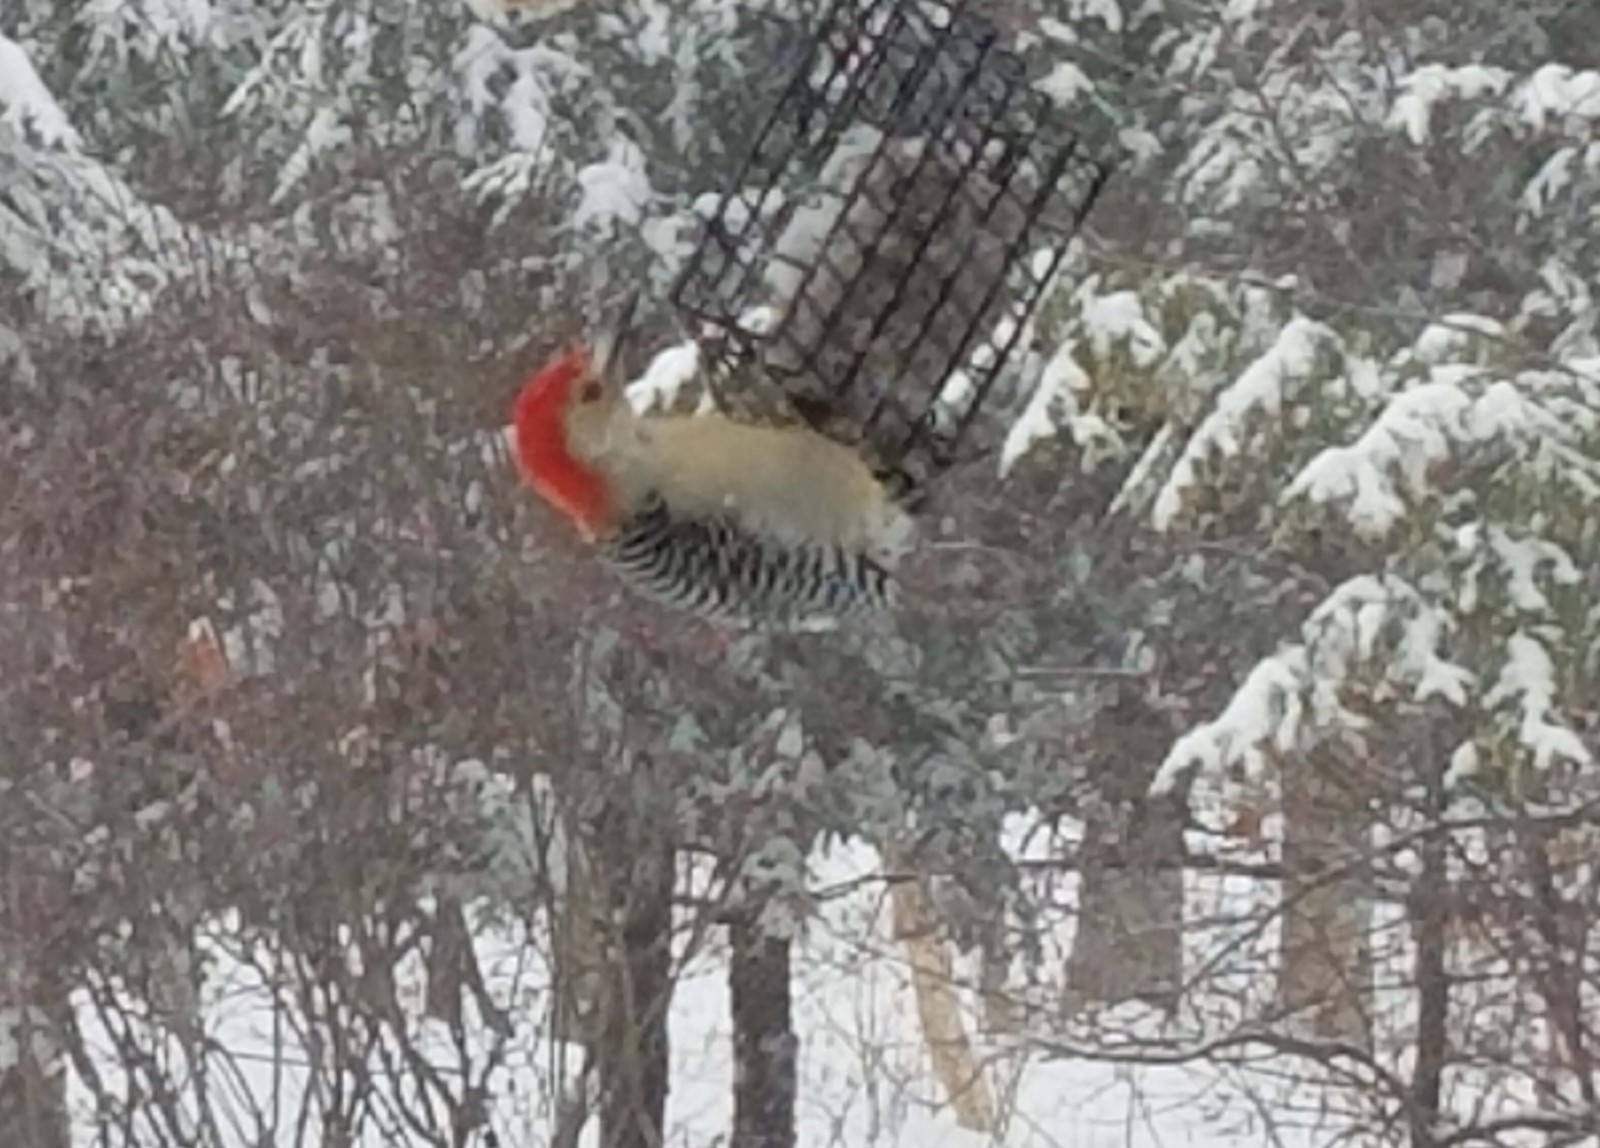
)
(1350, 349)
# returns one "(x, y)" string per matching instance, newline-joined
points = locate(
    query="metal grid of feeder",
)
(892, 230)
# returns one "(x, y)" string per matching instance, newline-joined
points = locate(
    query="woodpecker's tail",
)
(715, 568)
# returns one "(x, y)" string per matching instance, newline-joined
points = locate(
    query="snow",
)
(613, 192)
(1419, 660)
(1162, 444)
(1469, 605)
(26, 104)
(1186, 359)
(1528, 678)
(1521, 560)
(1465, 762)
(1065, 83)
(326, 132)
(1258, 391)
(1108, 12)
(1196, 55)
(863, 1071)
(1407, 438)
(1265, 708)
(666, 376)
(1557, 91)
(1060, 383)
(1429, 85)
(1450, 336)
(1552, 179)
(1119, 319)
(1219, 167)
(1291, 697)
(651, 36)
(1554, 97)
(271, 1042)
(1453, 407)
(1244, 11)
(527, 112)
(1296, 695)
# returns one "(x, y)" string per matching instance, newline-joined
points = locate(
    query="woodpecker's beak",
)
(611, 340)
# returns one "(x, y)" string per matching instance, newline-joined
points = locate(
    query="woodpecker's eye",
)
(590, 391)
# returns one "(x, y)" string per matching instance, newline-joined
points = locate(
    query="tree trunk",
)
(1326, 974)
(577, 922)
(1558, 951)
(33, 1091)
(1430, 920)
(1000, 1010)
(1129, 940)
(632, 1058)
(33, 1097)
(1128, 944)
(764, 1043)
(938, 1006)
(449, 949)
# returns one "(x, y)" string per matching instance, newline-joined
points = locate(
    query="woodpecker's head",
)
(555, 407)
(566, 421)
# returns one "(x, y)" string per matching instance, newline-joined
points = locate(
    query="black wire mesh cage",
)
(892, 231)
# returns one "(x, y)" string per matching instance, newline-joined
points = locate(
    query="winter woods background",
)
(1244, 790)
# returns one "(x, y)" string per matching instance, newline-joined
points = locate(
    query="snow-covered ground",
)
(865, 1078)
(864, 1067)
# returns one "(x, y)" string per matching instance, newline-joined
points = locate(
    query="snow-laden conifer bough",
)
(744, 524)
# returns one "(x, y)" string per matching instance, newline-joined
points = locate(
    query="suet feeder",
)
(891, 232)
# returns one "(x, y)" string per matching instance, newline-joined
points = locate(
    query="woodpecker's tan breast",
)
(788, 481)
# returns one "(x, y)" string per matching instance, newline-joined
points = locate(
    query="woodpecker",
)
(752, 526)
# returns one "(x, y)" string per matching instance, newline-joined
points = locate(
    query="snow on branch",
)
(1054, 402)
(1264, 709)
(1452, 408)
(1528, 680)
(1554, 101)
(1432, 84)
(88, 250)
(1259, 391)
(26, 104)
(1386, 638)
(1519, 562)
(614, 191)
(1553, 98)
(1558, 92)
(1396, 452)
(326, 132)
(1169, 343)
(1376, 631)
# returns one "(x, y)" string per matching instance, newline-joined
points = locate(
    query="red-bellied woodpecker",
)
(744, 524)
